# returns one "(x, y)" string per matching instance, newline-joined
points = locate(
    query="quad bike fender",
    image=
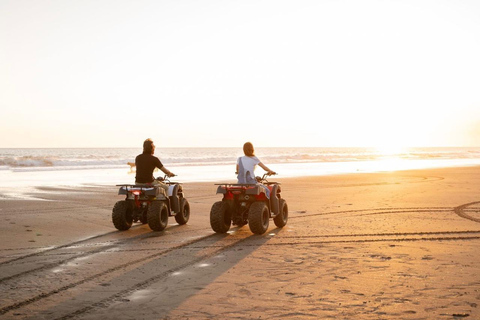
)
(274, 200)
(255, 190)
(137, 190)
(174, 198)
(157, 192)
(124, 190)
(172, 190)
(160, 196)
(221, 189)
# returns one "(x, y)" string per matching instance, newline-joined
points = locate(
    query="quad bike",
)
(248, 203)
(149, 204)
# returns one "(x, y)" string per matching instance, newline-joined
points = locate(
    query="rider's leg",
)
(163, 186)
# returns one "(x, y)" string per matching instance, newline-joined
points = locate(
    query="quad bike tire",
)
(281, 218)
(122, 215)
(258, 217)
(157, 215)
(220, 219)
(183, 216)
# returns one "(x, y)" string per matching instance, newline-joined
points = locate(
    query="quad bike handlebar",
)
(263, 179)
(166, 179)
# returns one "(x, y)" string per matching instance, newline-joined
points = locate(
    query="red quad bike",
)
(148, 204)
(248, 203)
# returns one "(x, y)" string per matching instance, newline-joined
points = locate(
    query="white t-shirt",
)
(246, 168)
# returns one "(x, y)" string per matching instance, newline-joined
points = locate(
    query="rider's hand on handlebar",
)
(170, 174)
(271, 173)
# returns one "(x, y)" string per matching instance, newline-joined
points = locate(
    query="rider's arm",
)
(236, 171)
(167, 172)
(264, 167)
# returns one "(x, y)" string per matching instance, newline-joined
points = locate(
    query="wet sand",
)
(399, 245)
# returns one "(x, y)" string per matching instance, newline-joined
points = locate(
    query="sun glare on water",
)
(390, 158)
(390, 150)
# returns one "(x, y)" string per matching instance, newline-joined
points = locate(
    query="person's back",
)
(246, 167)
(146, 164)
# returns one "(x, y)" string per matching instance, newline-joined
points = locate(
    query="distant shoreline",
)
(19, 183)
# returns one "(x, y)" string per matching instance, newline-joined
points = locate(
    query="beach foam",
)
(21, 169)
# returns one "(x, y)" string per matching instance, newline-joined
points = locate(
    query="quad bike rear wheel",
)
(220, 218)
(183, 216)
(122, 215)
(157, 215)
(258, 217)
(281, 218)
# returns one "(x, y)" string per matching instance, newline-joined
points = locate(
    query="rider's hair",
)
(248, 149)
(148, 146)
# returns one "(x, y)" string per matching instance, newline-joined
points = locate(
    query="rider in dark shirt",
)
(146, 163)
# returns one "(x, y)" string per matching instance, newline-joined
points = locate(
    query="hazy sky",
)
(209, 73)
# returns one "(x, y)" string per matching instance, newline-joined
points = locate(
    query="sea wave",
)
(27, 161)
(75, 159)
(48, 162)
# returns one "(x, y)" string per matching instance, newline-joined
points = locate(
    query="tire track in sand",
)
(44, 295)
(394, 237)
(350, 238)
(460, 210)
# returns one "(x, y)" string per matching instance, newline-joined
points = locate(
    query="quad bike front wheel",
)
(220, 218)
(183, 216)
(258, 217)
(122, 215)
(281, 218)
(157, 215)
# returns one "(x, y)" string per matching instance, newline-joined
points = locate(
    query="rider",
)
(146, 163)
(246, 166)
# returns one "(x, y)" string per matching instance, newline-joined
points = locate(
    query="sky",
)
(319, 73)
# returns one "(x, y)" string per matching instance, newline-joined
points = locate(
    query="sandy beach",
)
(396, 245)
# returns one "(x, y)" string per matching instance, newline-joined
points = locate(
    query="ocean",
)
(22, 168)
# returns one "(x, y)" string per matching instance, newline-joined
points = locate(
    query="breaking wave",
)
(75, 159)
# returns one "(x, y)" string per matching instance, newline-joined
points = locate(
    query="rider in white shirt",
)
(246, 166)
